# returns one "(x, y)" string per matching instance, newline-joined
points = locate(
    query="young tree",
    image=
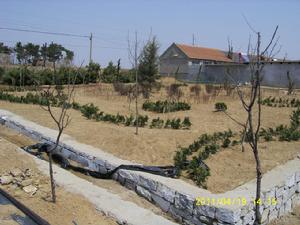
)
(58, 97)
(291, 83)
(93, 70)
(22, 59)
(109, 73)
(118, 69)
(134, 56)
(253, 121)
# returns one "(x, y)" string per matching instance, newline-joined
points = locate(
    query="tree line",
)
(32, 54)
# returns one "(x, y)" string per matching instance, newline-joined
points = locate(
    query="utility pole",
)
(193, 40)
(91, 46)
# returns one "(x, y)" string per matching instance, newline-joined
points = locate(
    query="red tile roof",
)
(194, 52)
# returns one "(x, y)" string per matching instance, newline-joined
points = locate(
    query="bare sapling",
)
(134, 56)
(291, 83)
(58, 103)
(252, 106)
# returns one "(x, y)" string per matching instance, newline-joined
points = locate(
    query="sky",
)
(112, 21)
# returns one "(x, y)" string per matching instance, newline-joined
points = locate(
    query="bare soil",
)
(229, 168)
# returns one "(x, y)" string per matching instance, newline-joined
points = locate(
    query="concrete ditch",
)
(175, 196)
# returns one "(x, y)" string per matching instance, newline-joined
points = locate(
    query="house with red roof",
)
(179, 58)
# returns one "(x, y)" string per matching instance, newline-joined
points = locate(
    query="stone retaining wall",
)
(173, 195)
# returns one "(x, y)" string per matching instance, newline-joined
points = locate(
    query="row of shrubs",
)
(24, 76)
(284, 132)
(91, 111)
(205, 145)
(280, 102)
(29, 98)
(190, 159)
(165, 106)
(171, 124)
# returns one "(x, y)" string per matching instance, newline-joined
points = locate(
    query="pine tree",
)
(148, 63)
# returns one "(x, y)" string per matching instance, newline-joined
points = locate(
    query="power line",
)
(44, 32)
(75, 45)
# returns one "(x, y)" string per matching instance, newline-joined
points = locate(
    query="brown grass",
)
(229, 168)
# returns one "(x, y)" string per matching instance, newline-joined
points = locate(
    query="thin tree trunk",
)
(52, 178)
(244, 137)
(136, 85)
(136, 107)
(54, 72)
(258, 187)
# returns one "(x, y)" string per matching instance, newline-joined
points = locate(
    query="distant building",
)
(179, 58)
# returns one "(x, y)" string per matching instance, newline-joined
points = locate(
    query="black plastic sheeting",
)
(166, 171)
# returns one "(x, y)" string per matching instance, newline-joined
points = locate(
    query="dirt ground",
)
(229, 168)
(291, 219)
(69, 207)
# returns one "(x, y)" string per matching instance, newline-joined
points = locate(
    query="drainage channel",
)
(110, 185)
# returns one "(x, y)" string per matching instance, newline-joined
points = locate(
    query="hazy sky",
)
(110, 21)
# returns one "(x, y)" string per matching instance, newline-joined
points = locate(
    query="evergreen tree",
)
(148, 63)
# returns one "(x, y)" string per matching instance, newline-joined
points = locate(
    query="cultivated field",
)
(229, 168)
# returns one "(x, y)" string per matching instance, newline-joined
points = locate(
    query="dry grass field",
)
(229, 168)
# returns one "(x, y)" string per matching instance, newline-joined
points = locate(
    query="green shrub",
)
(186, 123)
(157, 123)
(226, 143)
(129, 120)
(197, 173)
(175, 124)
(165, 106)
(208, 144)
(89, 110)
(220, 106)
(142, 121)
(180, 159)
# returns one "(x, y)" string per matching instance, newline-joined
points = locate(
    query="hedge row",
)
(24, 76)
(283, 132)
(173, 124)
(166, 106)
(280, 102)
(28, 99)
(91, 111)
(200, 150)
